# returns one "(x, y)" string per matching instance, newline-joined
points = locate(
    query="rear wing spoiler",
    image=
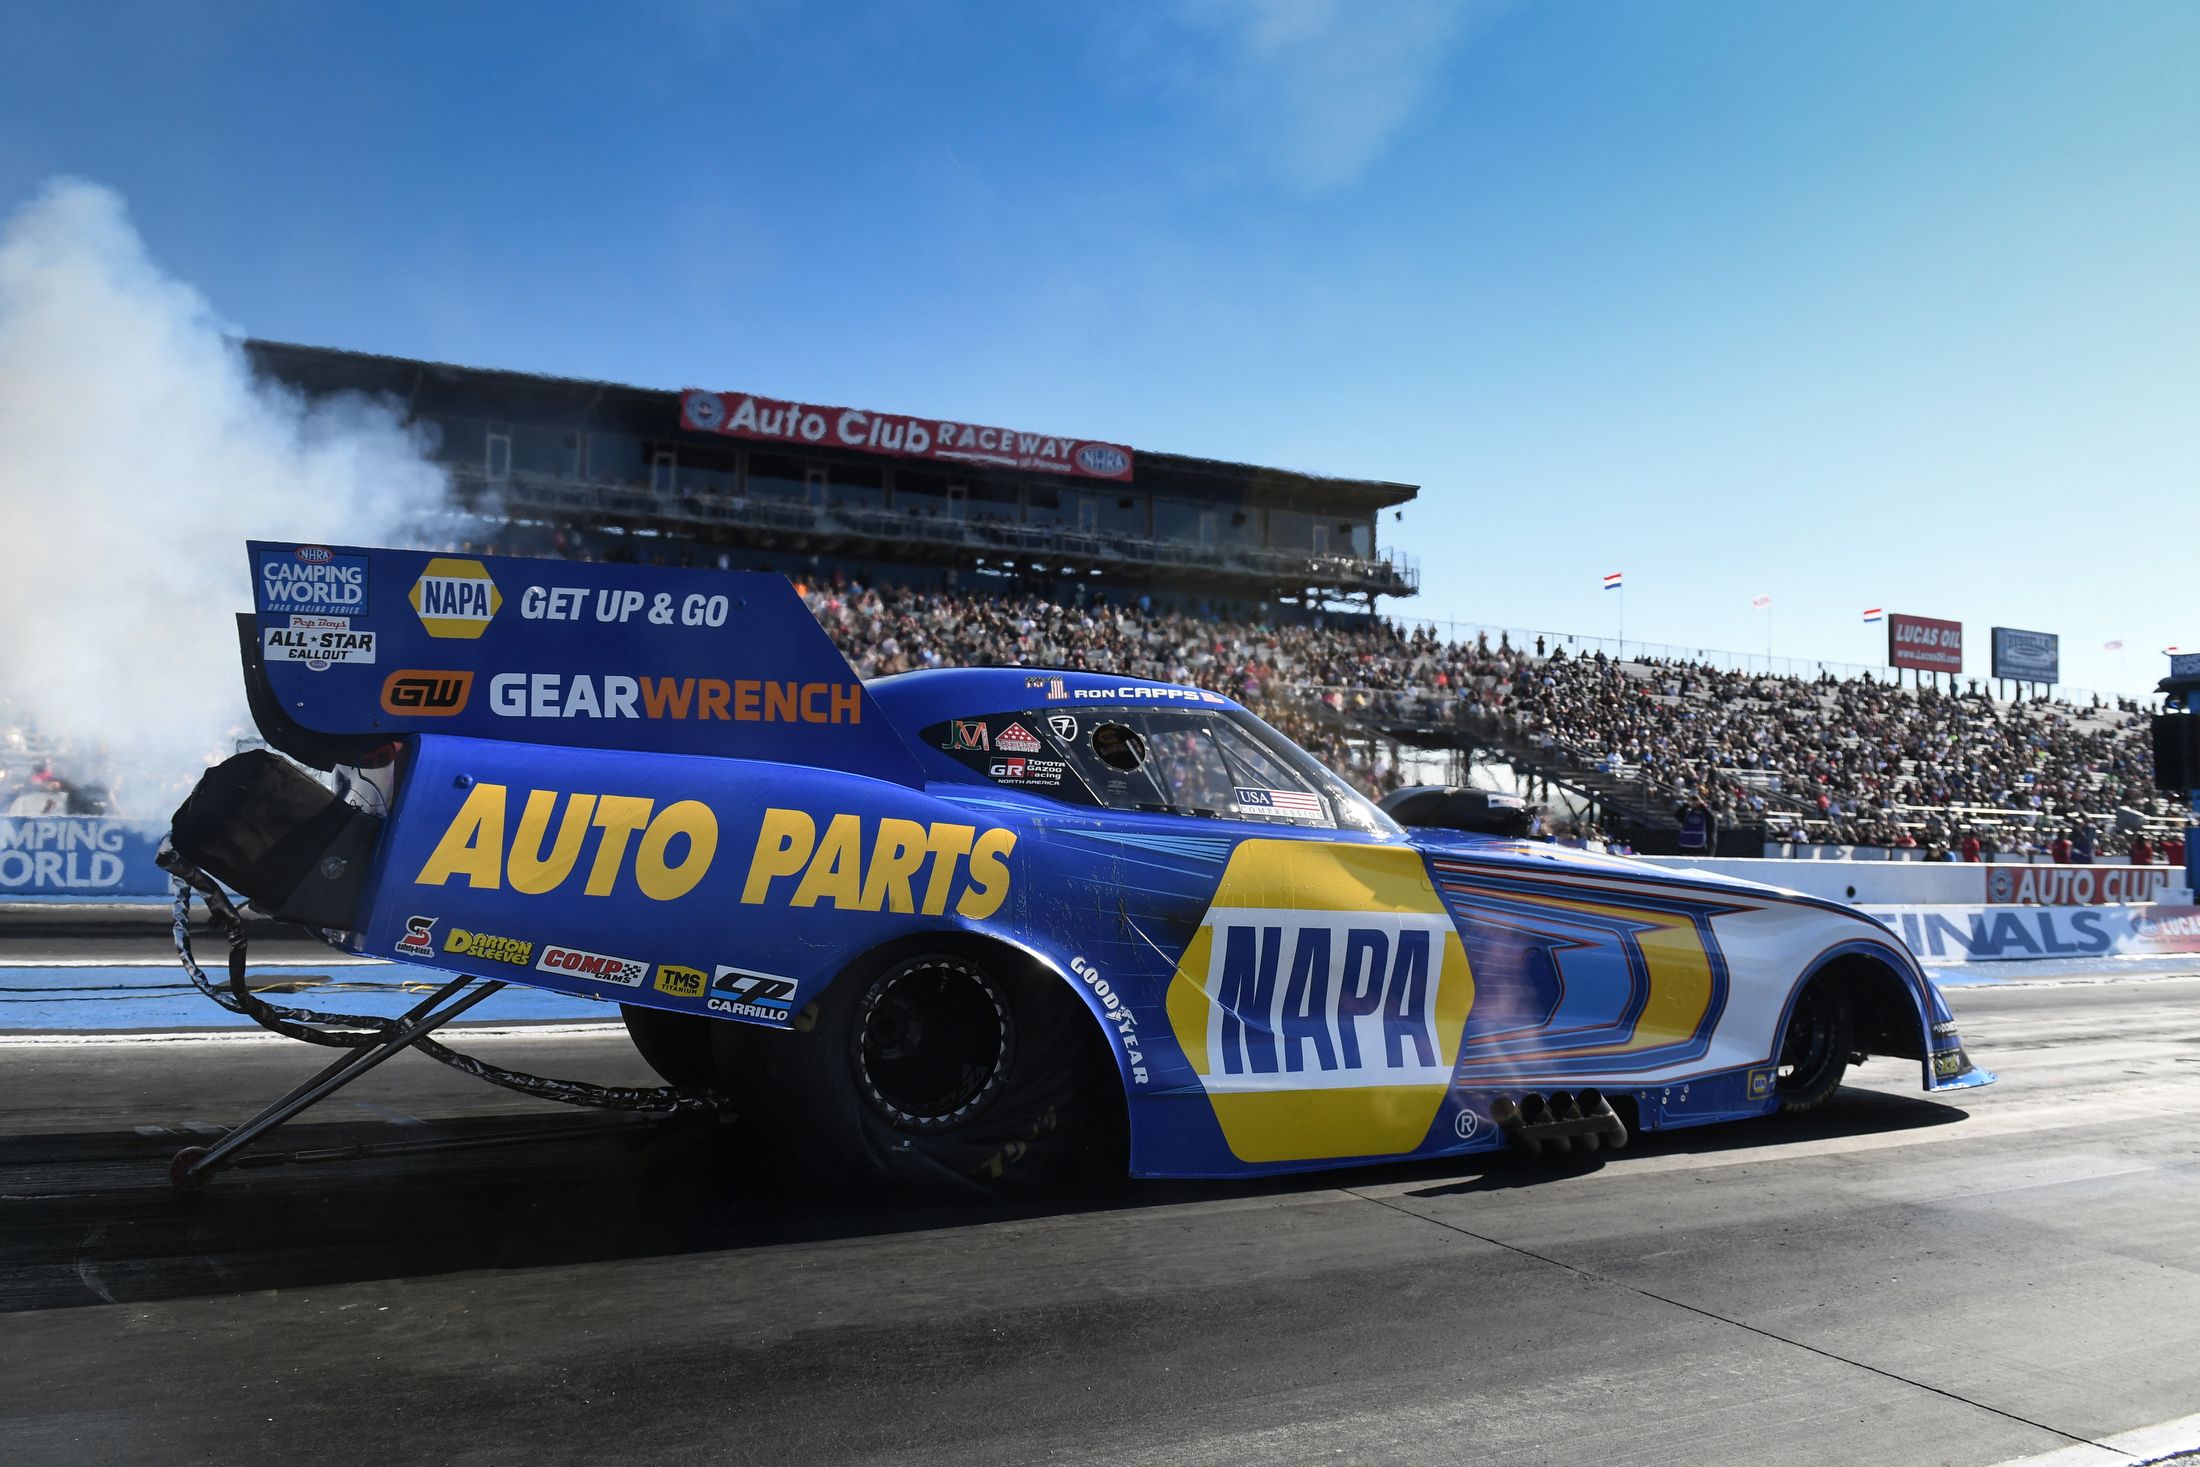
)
(348, 648)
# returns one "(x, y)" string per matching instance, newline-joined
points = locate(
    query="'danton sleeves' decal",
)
(1322, 1000)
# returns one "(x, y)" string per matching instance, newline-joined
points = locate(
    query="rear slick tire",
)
(936, 1074)
(676, 1046)
(1814, 1048)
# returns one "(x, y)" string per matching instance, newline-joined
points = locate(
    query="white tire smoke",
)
(137, 454)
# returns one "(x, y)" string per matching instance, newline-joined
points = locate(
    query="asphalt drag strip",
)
(1994, 1275)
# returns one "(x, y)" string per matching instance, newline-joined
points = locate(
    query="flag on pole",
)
(1876, 613)
(2169, 651)
(1611, 582)
(2115, 646)
(1760, 602)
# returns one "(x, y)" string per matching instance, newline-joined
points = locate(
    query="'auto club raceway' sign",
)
(770, 420)
(79, 856)
(2001, 934)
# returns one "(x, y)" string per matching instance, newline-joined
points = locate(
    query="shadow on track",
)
(89, 1219)
(1853, 1113)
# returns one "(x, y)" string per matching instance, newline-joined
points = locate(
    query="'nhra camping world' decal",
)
(310, 580)
(1321, 1001)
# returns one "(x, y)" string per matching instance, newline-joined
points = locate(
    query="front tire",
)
(1815, 1047)
(938, 1073)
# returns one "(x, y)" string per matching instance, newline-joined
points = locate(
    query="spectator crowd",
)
(1846, 761)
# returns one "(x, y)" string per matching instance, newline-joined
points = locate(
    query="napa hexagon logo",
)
(1322, 1000)
(455, 598)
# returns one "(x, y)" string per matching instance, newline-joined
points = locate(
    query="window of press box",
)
(774, 476)
(551, 452)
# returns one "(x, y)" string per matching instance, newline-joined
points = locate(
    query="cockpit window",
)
(1215, 764)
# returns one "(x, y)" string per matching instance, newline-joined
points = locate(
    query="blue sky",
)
(1852, 304)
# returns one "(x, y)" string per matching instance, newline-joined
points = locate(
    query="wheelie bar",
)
(190, 1167)
(1560, 1122)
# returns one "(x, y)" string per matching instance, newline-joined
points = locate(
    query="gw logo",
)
(423, 694)
(1322, 998)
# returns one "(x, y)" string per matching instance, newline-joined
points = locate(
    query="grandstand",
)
(627, 468)
(1260, 583)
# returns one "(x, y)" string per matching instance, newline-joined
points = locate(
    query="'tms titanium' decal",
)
(1321, 1001)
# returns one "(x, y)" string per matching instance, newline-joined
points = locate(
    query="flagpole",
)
(1622, 621)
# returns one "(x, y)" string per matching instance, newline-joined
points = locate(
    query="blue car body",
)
(666, 788)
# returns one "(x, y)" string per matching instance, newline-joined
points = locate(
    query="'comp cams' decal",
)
(1321, 1001)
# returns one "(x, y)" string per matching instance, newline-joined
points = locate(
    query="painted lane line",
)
(334, 960)
(501, 1030)
(2156, 1443)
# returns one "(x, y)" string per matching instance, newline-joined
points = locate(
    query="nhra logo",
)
(488, 946)
(705, 411)
(455, 598)
(595, 967)
(423, 694)
(680, 982)
(1104, 460)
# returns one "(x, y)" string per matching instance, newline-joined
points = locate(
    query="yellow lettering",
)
(836, 871)
(618, 816)
(713, 693)
(473, 846)
(811, 714)
(848, 699)
(895, 856)
(780, 705)
(948, 845)
(531, 872)
(988, 874)
(691, 818)
(783, 847)
(745, 693)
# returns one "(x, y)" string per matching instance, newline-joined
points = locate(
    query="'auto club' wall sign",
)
(771, 420)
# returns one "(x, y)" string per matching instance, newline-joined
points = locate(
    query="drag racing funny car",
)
(982, 927)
